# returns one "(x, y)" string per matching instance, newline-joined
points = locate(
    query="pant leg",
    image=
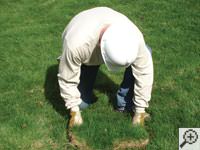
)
(87, 79)
(125, 92)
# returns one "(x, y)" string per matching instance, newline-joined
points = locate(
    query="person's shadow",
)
(52, 94)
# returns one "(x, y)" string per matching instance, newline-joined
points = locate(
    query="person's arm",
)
(68, 78)
(142, 70)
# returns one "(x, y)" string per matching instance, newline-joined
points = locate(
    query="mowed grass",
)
(32, 114)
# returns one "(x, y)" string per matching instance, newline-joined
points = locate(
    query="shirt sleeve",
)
(142, 70)
(68, 77)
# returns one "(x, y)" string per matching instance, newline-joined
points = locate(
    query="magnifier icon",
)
(190, 136)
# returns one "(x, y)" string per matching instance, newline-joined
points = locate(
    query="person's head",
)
(119, 46)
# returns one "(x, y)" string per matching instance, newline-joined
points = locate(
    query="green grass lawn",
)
(32, 114)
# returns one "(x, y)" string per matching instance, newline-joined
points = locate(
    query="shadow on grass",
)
(104, 84)
(52, 94)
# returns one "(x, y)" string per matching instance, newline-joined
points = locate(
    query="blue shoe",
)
(83, 105)
(123, 110)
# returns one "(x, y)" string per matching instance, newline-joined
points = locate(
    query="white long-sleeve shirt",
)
(80, 46)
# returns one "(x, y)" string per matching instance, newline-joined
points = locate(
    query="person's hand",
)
(75, 117)
(140, 118)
